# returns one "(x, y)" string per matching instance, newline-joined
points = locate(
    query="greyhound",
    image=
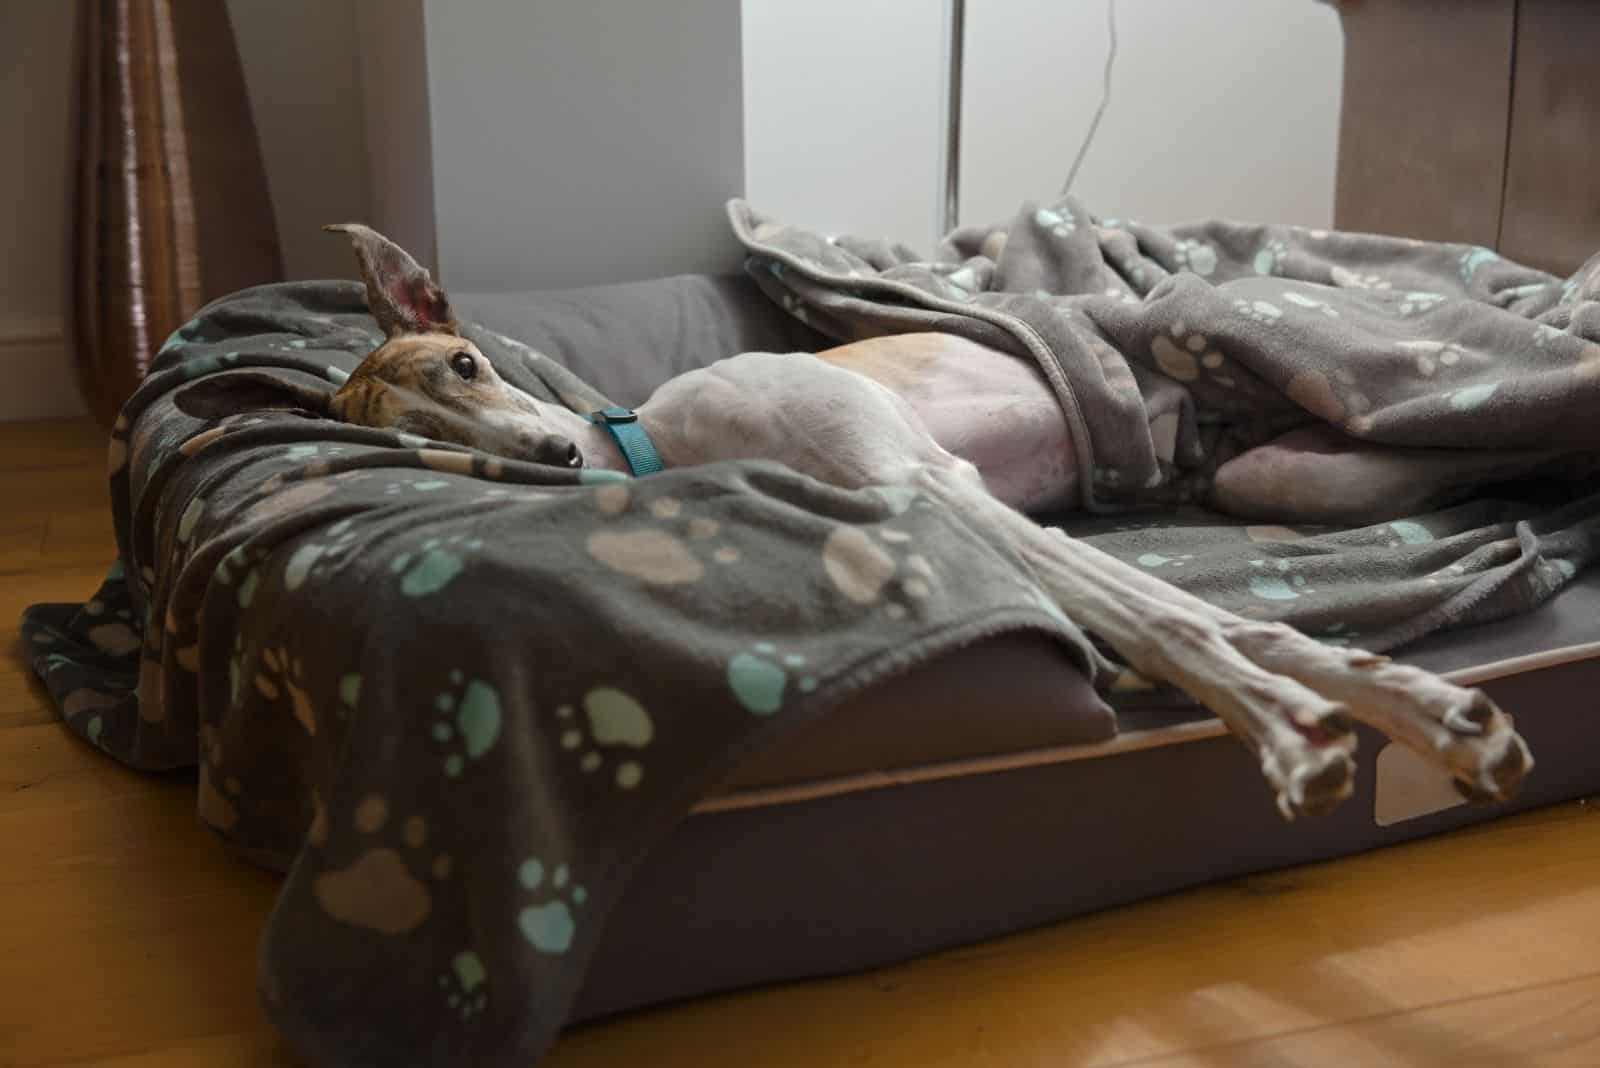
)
(978, 432)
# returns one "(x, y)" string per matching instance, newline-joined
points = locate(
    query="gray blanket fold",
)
(458, 698)
(1261, 369)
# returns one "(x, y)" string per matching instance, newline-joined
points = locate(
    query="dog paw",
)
(1479, 744)
(550, 925)
(1313, 769)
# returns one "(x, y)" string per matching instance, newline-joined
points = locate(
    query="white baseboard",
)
(36, 376)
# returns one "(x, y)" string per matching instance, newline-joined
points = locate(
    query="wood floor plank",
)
(249, 1049)
(23, 701)
(52, 445)
(1551, 1026)
(1328, 945)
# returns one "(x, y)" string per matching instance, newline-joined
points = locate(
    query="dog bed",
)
(431, 685)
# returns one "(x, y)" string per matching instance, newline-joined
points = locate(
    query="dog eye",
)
(465, 367)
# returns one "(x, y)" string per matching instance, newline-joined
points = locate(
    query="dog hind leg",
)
(1198, 647)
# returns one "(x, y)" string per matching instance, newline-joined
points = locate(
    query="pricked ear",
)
(400, 292)
(217, 396)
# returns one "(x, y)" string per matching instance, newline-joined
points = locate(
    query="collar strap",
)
(629, 434)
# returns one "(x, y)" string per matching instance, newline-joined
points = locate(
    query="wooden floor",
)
(126, 935)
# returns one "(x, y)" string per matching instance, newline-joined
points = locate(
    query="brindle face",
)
(439, 386)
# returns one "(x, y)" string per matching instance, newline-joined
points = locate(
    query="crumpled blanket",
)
(458, 698)
(1185, 359)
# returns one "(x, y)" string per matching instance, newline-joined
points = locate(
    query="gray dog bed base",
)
(836, 876)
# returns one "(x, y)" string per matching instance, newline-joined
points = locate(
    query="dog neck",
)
(599, 448)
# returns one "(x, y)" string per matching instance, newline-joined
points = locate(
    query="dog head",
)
(425, 378)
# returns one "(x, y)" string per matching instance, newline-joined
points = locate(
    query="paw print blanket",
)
(457, 699)
(1358, 435)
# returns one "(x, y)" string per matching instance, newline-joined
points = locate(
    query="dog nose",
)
(559, 451)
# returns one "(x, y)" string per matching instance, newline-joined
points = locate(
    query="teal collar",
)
(630, 436)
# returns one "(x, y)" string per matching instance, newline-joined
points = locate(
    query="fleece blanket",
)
(457, 698)
(1176, 351)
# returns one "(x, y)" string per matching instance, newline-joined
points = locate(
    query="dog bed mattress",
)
(411, 674)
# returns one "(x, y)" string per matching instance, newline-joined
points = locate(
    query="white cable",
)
(1105, 97)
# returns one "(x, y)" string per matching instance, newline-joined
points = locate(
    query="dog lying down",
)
(920, 410)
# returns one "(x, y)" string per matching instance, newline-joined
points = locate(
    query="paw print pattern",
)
(282, 675)
(1431, 355)
(1417, 302)
(1338, 634)
(1270, 259)
(1345, 278)
(1300, 300)
(1155, 561)
(963, 282)
(863, 570)
(1276, 581)
(240, 566)
(1182, 355)
(349, 696)
(310, 560)
(380, 891)
(550, 926)
(1196, 256)
(657, 555)
(1260, 311)
(434, 566)
(618, 726)
(1472, 259)
(425, 485)
(236, 671)
(759, 677)
(464, 984)
(1060, 223)
(468, 722)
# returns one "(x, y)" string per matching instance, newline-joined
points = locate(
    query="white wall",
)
(842, 120)
(394, 98)
(303, 73)
(35, 70)
(1227, 108)
(1219, 108)
(582, 142)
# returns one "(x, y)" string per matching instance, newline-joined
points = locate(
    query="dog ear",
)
(400, 293)
(217, 396)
